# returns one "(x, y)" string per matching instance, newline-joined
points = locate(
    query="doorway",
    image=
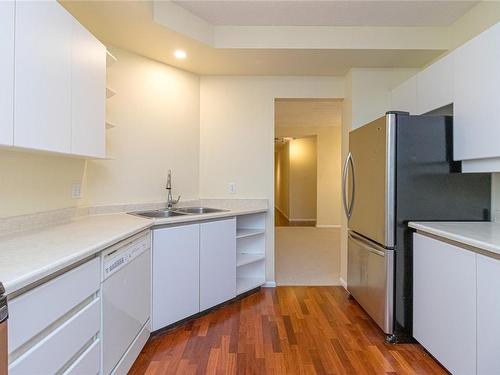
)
(307, 178)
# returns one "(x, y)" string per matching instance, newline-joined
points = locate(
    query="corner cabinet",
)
(456, 305)
(7, 73)
(194, 269)
(59, 82)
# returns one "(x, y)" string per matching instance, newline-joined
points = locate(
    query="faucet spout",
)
(170, 201)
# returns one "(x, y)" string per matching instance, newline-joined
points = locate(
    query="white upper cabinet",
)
(435, 85)
(477, 97)
(59, 82)
(88, 94)
(404, 97)
(42, 107)
(6, 73)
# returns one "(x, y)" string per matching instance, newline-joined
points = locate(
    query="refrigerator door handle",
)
(353, 190)
(345, 171)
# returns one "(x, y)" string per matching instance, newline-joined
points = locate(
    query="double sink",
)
(177, 212)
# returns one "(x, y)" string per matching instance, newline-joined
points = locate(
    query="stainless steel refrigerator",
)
(399, 169)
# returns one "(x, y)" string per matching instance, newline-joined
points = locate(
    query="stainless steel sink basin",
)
(198, 210)
(158, 213)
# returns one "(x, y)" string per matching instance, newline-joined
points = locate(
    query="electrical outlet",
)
(76, 191)
(232, 188)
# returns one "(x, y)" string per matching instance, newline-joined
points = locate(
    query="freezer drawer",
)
(370, 279)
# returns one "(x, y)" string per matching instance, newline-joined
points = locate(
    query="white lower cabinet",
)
(217, 262)
(456, 306)
(176, 275)
(194, 269)
(54, 326)
(488, 314)
(444, 303)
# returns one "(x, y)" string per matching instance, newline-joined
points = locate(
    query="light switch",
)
(76, 191)
(232, 188)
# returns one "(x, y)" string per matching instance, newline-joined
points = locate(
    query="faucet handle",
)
(177, 200)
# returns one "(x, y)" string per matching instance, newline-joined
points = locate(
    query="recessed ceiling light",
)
(180, 54)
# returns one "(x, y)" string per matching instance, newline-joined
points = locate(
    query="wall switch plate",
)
(232, 188)
(76, 191)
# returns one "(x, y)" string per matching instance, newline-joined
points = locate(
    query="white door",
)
(88, 88)
(217, 262)
(42, 108)
(444, 303)
(6, 72)
(488, 313)
(476, 124)
(176, 277)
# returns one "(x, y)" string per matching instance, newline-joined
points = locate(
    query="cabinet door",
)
(404, 97)
(88, 90)
(444, 303)
(42, 106)
(175, 274)
(6, 73)
(217, 262)
(488, 313)
(477, 97)
(435, 85)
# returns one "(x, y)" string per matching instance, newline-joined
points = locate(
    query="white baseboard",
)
(343, 283)
(269, 284)
(328, 226)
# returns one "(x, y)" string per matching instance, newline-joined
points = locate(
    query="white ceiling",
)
(328, 13)
(308, 113)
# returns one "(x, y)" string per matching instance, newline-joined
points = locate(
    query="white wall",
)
(35, 182)
(156, 112)
(237, 135)
(303, 179)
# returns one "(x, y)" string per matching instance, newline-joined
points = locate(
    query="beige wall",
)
(281, 175)
(237, 132)
(156, 112)
(303, 179)
(34, 182)
(328, 210)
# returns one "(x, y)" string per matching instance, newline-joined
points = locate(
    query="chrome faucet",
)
(170, 201)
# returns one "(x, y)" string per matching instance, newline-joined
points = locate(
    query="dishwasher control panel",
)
(119, 255)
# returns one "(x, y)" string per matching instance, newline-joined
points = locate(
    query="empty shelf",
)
(110, 93)
(244, 284)
(110, 59)
(240, 233)
(247, 258)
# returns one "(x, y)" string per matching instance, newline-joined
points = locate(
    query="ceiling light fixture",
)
(180, 54)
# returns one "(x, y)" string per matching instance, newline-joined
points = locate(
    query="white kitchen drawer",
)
(35, 310)
(88, 363)
(54, 351)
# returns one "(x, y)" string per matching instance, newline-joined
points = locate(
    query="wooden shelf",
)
(110, 93)
(242, 233)
(110, 59)
(247, 258)
(244, 284)
(110, 125)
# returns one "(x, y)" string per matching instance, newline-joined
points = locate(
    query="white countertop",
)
(481, 235)
(30, 256)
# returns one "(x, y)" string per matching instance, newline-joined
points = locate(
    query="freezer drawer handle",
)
(367, 246)
(345, 175)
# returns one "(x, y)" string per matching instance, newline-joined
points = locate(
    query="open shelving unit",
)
(250, 252)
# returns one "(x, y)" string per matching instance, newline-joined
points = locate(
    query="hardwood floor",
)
(286, 330)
